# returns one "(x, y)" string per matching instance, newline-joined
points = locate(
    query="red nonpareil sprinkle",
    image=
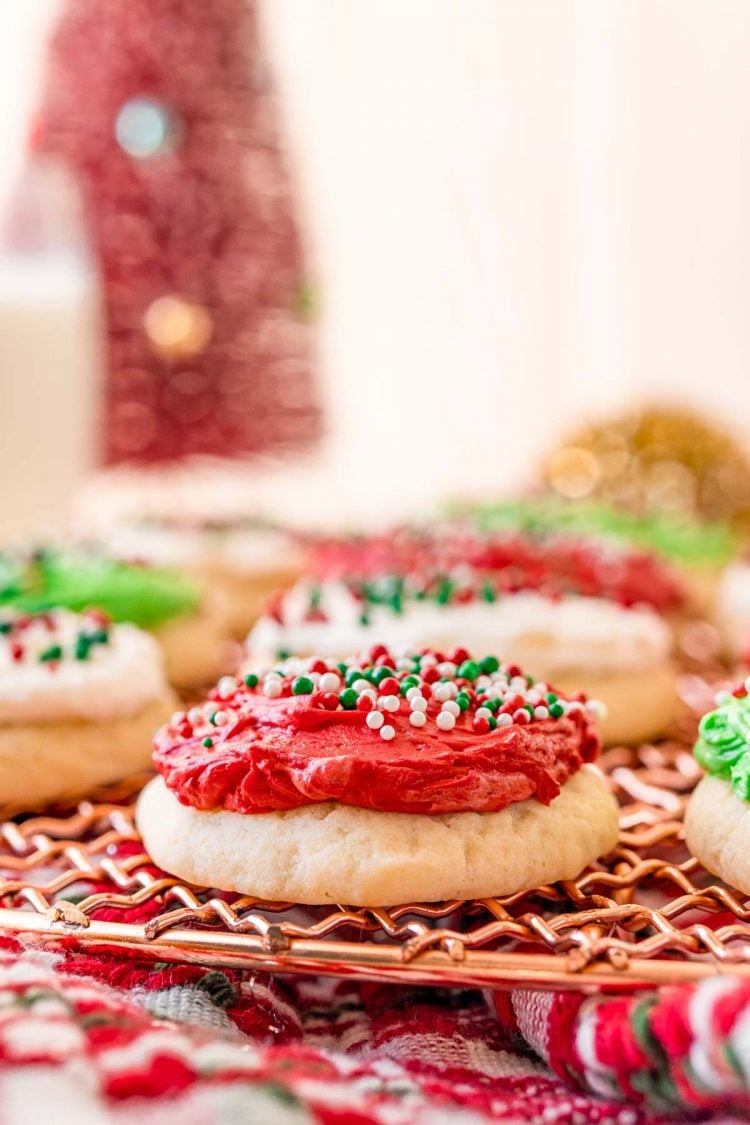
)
(389, 686)
(16, 651)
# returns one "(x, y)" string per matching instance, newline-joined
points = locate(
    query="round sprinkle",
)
(251, 680)
(348, 699)
(490, 664)
(504, 720)
(387, 733)
(272, 687)
(389, 686)
(375, 720)
(208, 743)
(418, 703)
(481, 724)
(446, 721)
(596, 708)
(227, 685)
(417, 718)
(441, 692)
(360, 685)
(541, 712)
(302, 685)
(468, 670)
(329, 681)
(450, 707)
(463, 700)
(483, 713)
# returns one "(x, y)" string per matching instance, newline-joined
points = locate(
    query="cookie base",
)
(332, 853)
(717, 830)
(244, 597)
(43, 762)
(193, 646)
(640, 705)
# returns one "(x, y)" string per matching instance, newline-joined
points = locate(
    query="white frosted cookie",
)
(309, 784)
(188, 622)
(717, 822)
(204, 519)
(618, 655)
(79, 698)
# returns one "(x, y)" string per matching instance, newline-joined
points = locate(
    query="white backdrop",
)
(520, 211)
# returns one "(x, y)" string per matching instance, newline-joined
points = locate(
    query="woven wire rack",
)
(646, 915)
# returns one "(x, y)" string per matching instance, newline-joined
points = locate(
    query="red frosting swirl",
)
(294, 750)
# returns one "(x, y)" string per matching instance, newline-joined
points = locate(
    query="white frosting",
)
(242, 550)
(545, 637)
(733, 608)
(118, 679)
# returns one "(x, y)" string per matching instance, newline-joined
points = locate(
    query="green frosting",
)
(144, 595)
(723, 746)
(689, 542)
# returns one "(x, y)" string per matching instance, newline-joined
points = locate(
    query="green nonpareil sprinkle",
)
(54, 652)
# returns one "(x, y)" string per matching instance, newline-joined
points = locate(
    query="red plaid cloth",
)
(98, 1039)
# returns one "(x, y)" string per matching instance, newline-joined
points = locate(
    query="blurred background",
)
(496, 220)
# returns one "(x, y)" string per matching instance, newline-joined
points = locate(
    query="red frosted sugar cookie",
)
(378, 781)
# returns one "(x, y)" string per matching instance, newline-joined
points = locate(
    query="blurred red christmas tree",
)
(162, 110)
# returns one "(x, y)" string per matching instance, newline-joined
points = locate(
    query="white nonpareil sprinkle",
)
(541, 712)
(596, 708)
(375, 720)
(505, 720)
(451, 707)
(329, 681)
(418, 703)
(272, 687)
(387, 732)
(483, 713)
(417, 718)
(389, 702)
(447, 668)
(446, 721)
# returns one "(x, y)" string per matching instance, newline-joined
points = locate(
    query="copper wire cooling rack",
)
(646, 915)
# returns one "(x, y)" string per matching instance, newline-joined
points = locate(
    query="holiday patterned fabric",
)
(100, 1038)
